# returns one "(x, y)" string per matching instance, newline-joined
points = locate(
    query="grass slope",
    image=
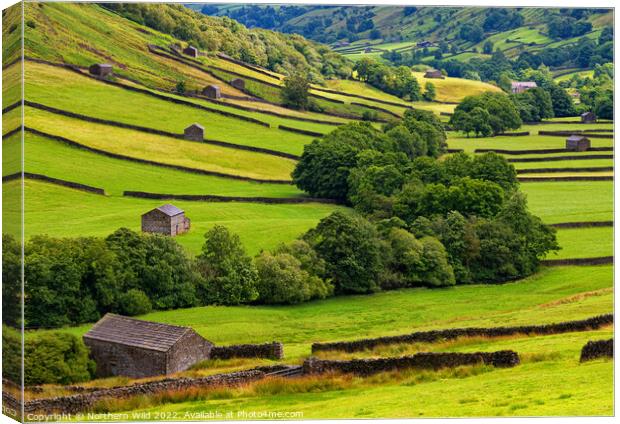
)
(57, 160)
(585, 242)
(66, 90)
(47, 207)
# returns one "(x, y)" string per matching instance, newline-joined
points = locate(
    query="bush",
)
(56, 358)
(282, 280)
(134, 302)
(11, 354)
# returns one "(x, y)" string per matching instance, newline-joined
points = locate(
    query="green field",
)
(137, 144)
(57, 160)
(259, 226)
(550, 380)
(573, 201)
(585, 242)
(578, 163)
(66, 90)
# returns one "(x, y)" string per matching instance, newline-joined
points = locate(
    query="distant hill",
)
(460, 33)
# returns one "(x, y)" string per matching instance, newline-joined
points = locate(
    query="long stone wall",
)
(427, 360)
(602, 260)
(454, 333)
(216, 198)
(84, 401)
(597, 349)
(559, 158)
(569, 133)
(57, 181)
(274, 350)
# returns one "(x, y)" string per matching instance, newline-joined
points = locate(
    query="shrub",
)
(134, 302)
(56, 358)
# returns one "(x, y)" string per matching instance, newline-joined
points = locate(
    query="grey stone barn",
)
(578, 143)
(433, 73)
(134, 348)
(238, 83)
(191, 51)
(167, 219)
(194, 132)
(588, 118)
(212, 91)
(100, 69)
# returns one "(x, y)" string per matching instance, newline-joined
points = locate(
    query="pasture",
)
(260, 226)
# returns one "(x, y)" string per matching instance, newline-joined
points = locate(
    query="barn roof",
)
(587, 113)
(169, 209)
(525, 84)
(123, 330)
(196, 125)
(576, 137)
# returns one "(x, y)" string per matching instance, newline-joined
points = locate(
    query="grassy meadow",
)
(259, 226)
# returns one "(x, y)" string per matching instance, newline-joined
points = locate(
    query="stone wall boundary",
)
(433, 336)
(274, 350)
(569, 178)
(52, 180)
(217, 198)
(569, 133)
(603, 260)
(583, 224)
(559, 158)
(597, 349)
(552, 170)
(298, 131)
(540, 151)
(424, 360)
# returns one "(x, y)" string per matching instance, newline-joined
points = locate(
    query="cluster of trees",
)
(486, 114)
(394, 80)
(596, 92)
(50, 358)
(564, 26)
(436, 222)
(279, 52)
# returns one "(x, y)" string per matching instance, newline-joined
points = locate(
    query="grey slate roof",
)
(575, 137)
(134, 332)
(170, 210)
(196, 125)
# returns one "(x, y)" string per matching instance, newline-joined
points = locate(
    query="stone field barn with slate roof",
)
(167, 219)
(134, 348)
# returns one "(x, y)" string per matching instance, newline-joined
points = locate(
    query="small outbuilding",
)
(521, 86)
(191, 51)
(167, 220)
(123, 346)
(212, 91)
(368, 50)
(434, 73)
(238, 83)
(194, 132)
(578, 143)
(424, 43)
(100, 70)
(588, 118)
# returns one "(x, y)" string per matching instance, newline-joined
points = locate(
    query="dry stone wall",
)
(597, 349)
(453, 333)
(427, 360)
(274, 350)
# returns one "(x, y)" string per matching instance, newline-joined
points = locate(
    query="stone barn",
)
(212, 92)
(521, 86)
(588, 118)
(577, 143)
(194, 132)
(368, 50)
(191, 51)
(167, 219)
(238, 83)
(433, 73)
(134, 348)
(100, 69)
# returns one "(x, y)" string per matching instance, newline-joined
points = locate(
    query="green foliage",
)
(534, 105)
(134, 302)
(11, 281)
(430, 93)
(501, 114)
(282, 280)
(394, 80)
(56, 358)
(350, 247)
(11, 354)
(295, 92)
(278, 52)
(180, 87)
(229, 274)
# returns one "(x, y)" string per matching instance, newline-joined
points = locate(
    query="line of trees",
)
(394, 80)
